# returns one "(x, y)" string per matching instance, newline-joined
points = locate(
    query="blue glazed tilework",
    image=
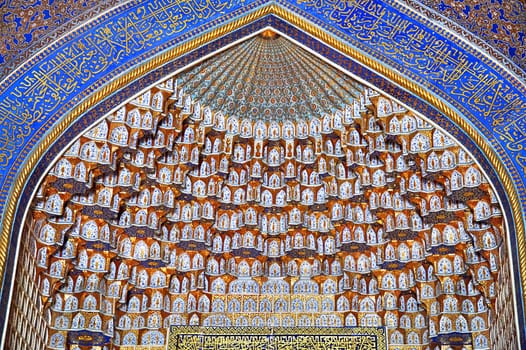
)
(29, 25)
(489, 98)
(39, 94)
(501, 23)
(62, 75)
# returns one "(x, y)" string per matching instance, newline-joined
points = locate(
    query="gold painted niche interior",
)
(263, 187)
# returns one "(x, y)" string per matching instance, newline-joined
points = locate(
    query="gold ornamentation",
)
(205, 38)
(233, 338)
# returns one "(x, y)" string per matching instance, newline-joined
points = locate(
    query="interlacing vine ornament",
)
(190, 205)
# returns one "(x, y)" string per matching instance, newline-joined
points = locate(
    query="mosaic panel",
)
(28, 25)
(500, 23)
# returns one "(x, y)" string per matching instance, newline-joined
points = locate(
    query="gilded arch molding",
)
(51, 95)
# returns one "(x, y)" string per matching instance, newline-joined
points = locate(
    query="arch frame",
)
(49, 132)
